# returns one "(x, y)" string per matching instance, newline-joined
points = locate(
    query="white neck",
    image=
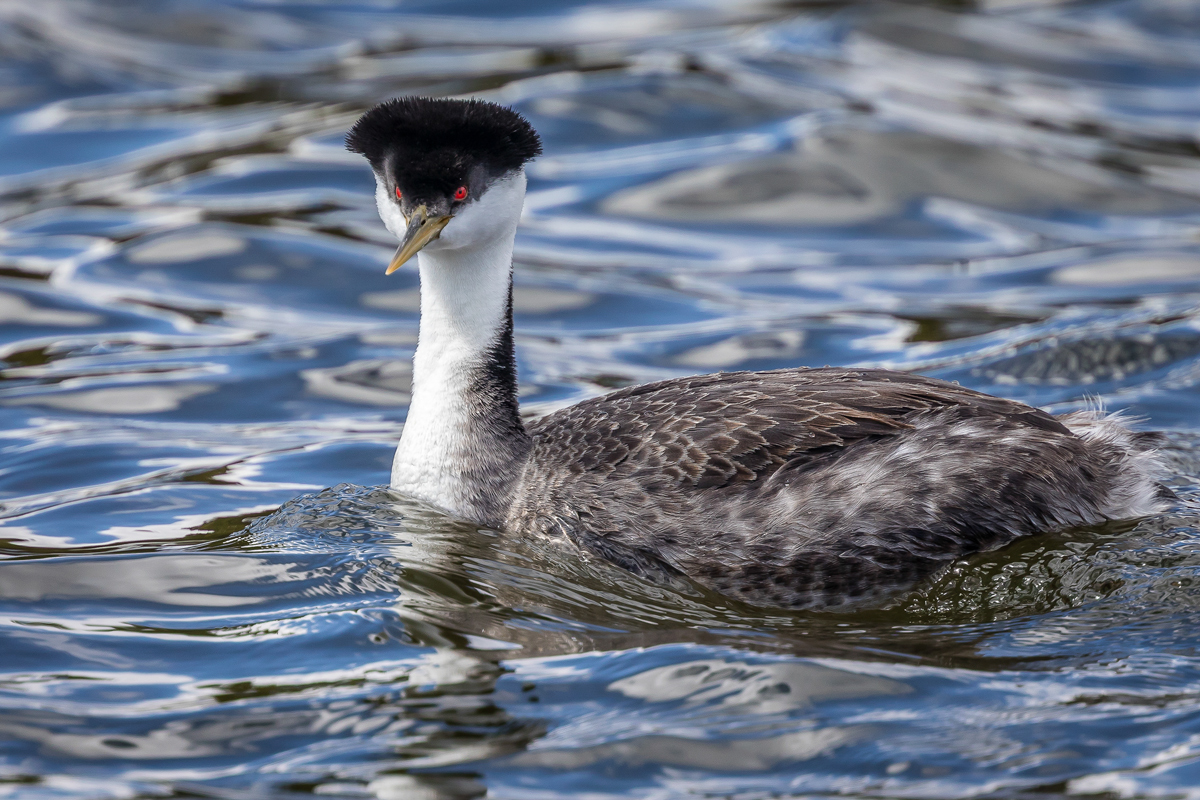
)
(457, 449)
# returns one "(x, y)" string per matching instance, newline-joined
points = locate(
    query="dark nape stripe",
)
(501, 443)
(497, 379)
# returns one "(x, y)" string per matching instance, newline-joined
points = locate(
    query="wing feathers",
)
(729, 428)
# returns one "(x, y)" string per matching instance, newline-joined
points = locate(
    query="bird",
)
(799, 488)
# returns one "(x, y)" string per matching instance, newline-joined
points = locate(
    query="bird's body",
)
(798, 487)
(819, 487)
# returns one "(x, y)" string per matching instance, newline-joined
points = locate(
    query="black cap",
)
(437, 141)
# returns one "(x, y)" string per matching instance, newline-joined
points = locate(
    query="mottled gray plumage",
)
(800, 487)
(819, 487)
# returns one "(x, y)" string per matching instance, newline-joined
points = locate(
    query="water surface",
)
(204, 592)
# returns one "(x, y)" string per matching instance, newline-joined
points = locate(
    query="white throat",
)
(451, 429)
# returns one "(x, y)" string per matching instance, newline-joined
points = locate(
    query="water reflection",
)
(467, 649)
(848, 176)
(197, 339)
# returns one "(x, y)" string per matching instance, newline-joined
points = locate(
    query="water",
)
(198, 341)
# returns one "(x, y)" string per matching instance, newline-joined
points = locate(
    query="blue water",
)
(204, 590)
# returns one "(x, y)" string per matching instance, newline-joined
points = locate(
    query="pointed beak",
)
(422, 229)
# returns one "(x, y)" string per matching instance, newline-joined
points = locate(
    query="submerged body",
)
(800, 488)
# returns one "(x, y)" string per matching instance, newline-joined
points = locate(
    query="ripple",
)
(198, 338)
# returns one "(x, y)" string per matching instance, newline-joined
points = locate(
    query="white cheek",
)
(389, 212)
(492, 216)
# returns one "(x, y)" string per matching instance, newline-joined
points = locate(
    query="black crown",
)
(484, 132)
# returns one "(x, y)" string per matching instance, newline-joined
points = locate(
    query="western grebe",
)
(794, 487)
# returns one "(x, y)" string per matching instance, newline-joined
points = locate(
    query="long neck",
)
(463, 445)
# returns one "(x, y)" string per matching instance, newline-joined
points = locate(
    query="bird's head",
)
(449, 171)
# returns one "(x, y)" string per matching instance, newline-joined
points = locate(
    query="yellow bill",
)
(421, 231)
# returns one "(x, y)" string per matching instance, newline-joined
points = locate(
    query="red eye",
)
(460, 193)
(399, 194)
